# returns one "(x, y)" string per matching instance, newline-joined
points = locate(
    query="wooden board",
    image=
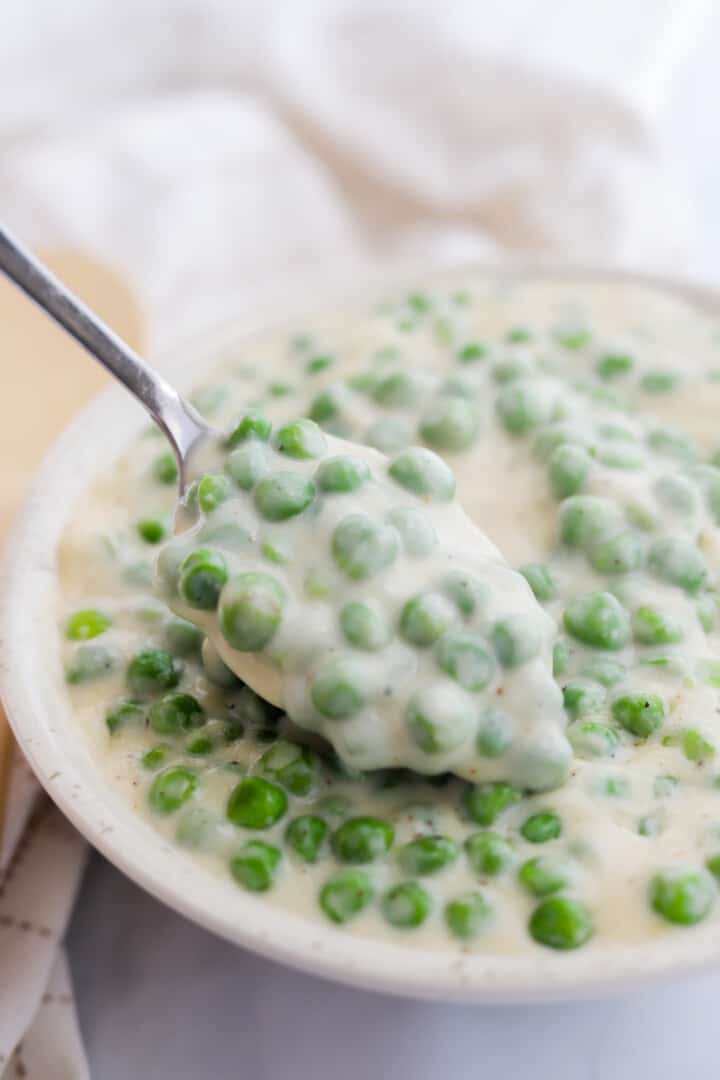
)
(45, 377)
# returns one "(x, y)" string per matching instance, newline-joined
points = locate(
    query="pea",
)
(152, 670)
(621, 554)
(212, 491)
(568, 470)
(590, 739)
(416, 530)
(604, 670)
(438, 718)
(318, 363)
(673, 444)
(472, 352)
(516, 640)
(424, 473)
(677, 494)
(424, 618)
(598, 619)
(406, 905)
(86, 624)
(540, 581)
(282, 495)
(361, 547)
(165, 469)
(427, 855)
(295, 767)
(90, 662)
(124, 714)
(561, 923)
(484, 803)
(640, 714)
(202, 576)
(520, 407)
(506, 371)
(466, 658)
(466, 592)
(176, 713)
(580, 698)
(389, 434)
(586, 519)
(255, 865)
(306, 836)
(696, 747)
(614, 365)
(200, 746)
(543, 876)
(302, 439)
(171, 788)
(450, 424)
(488, 853)
(518, 335)
(541, 827)
(253, 425)
(553, 435)
(713, 865)
(362, 839)
(325, 406)
(494, 735)
(651, 627)
(247, 465)
(561, 658)
(156, 756)
(251, 607)
(658, 382)
(364, 627)
(216, 670)
(683, 896)
(465, 915)
(676, 560)
(346, 894)
(395, 391)
(339, 475)
(256, 803)
(338, 689)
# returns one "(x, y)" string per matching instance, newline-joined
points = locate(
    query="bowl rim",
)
(41, 718)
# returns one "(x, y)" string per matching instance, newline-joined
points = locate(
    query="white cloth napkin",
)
(220, 152)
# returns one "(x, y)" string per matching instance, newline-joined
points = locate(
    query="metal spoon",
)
(181, 423)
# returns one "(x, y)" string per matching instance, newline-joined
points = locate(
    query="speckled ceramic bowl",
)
(38, 708)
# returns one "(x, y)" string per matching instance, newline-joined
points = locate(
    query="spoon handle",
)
(178, 420)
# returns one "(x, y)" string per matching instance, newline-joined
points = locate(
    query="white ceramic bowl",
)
(33, 692)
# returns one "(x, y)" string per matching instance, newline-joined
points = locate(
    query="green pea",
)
(151, 671)
(541, 827)
(282, 495)
(494, 735)
(713, 865)
(658, 382)
(251, 607)
(518, 335)
(255, 865)
(339, 475)
(256, 803)
(682, 896)
(361, 547)
(406, 905)
(543, 875)
(364, 627)
(251, 426)
(568, 470)
(427, 855)
(614, 365)
(466, 592)
(176, 713)
(424, 618)
(338, 689)
(708, 477)
(165, 469)
(580, 698)
(212, 491)
(200, 746)
(182, 638)
(395, 391)
(651, 627)
(472, 352)
(540, 581)
(416, 530)
(553, 435)
(325, 406)
(438, 718)
(202, 576)
(302, 439)
(151, 530)
(598, 619)
(575, 338)
(318, 363)
(621, 554)
(156, 756)
(216, 670)
(467, 658)
(604, 670)
(561, 923)
(586, 519)
(306, 836)
(247, 465)
(346, 894)
(389, 434)
(90, 662)
(124, 714)
(640, 714)
(521, 408)
(484, 803)
(424, 473)
(673, 444)
(590, 739)
(362, 839)
(171, 788)
(696, 747)
(516, 640)
(86, 624)
(677, 494)
(488, 853)
(675, 559)
(465, 915)
(561, 658)
(450, 424)
(506, 371)
(295, 767)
